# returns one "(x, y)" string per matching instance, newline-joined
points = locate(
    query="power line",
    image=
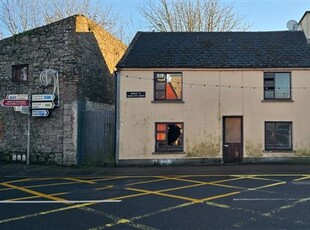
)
(225, 86)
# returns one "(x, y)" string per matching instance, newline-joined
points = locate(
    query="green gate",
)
(97, 138)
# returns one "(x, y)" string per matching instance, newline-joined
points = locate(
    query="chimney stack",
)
(304, 23)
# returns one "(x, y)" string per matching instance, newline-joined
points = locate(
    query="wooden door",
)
(232, 139)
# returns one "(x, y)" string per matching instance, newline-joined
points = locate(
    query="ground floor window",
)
(169, 137)
(278, 135)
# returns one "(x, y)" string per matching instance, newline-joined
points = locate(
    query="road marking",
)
(302, 178)
(42, 185)
(19, 180)
(32, 197)
(50, 197)
(79, 180)
(267, 186)
(105, 187)
(117, 220)
(146, 182)
(57, 202)
(112, 178)
(45, 212)
(220, 196)
(267, 199)
(163, 194)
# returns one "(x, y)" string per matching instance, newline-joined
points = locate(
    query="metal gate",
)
(98, 138)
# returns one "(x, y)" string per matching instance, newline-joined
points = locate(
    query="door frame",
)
(223, 135)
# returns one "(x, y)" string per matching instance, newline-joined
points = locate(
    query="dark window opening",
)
(278, 136)
(20, 73)
(277, 86)
(1, 130)
(169, 137)
(168, 86)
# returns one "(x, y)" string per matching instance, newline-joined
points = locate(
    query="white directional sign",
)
(42, 105)
(17, 96)
(42, 97)
(24, 109)
(40, 113)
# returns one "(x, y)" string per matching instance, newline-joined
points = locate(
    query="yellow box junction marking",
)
(50, 197)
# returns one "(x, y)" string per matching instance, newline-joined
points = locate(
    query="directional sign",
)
(17, 108)
(42, 105)
(25, 109)
(40, 113)
(17, 97)
(43, 97)
(12, 103)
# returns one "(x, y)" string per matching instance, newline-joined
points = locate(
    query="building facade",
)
(73, 59)
(215, 97)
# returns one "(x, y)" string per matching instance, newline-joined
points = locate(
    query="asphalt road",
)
(191, 200)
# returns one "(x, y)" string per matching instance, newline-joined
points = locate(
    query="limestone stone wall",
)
(83, 76)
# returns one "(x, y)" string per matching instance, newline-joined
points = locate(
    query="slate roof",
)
(280, 49)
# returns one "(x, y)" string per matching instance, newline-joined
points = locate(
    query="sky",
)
(261, 15)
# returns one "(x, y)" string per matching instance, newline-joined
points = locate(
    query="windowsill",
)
(177, 102)
(279, 151)
(277, 100)
(162, 153)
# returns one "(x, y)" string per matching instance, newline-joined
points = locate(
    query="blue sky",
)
(262, 15)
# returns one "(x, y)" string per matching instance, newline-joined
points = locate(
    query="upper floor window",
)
(169, 137)
(168, 86)
(277, 86)
(19, 73)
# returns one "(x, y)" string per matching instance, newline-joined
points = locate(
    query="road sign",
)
(42, 97)
(42, 105)
(17, 97)
(12, 103)
(25, 110)
(17, 108)
(40, 113)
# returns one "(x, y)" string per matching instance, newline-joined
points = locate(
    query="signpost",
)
(43, 105)
(25, 110)
(42, 97)
(17, 97)
(40, 113)
(12, 103)
(40, 103)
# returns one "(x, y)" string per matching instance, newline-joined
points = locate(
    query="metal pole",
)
(28, 131)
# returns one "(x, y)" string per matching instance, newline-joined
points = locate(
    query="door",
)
(232, 139)
(97, 138)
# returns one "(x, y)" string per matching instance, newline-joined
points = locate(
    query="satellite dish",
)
(292, 25)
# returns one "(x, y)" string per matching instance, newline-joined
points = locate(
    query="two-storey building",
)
(215, 97)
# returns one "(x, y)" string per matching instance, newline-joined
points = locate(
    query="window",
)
(20, 73)
(277, 86)
(278, 135)
(1, 129)
(168, 86)
(169, 137)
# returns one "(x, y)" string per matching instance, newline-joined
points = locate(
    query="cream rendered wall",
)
(203, 110)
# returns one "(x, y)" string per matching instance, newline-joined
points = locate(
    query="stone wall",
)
(83, 76)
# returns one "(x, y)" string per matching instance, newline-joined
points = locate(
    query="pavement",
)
(22, 170)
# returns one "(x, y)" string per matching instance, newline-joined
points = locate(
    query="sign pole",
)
(28, 133)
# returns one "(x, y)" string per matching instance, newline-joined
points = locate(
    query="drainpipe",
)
(117, 115)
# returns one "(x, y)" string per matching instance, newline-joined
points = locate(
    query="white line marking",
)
(57, 202)
(267, 199)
